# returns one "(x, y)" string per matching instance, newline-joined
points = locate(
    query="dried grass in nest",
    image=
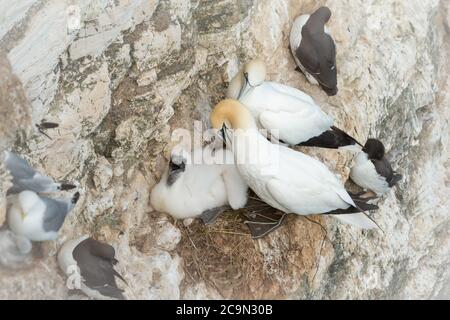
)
(223, 255)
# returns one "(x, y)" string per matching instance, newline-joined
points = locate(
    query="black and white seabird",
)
(314, 50)
(36, 217)
(93, 262)
(372, 170)
(26, 178)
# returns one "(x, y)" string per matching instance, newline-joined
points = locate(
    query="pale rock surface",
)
(120, 76)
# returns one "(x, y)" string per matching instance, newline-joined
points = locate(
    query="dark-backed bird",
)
(26, 178)
(297, 119)
(314, 50)
(36, 217)
(372, 170)
(93, 262)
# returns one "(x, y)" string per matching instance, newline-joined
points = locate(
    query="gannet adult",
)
(93, 263)
(372, 170)
(38, 218)
(293, 113)
(289, 181)
(26, 178)
(188, 190)
(314, 50)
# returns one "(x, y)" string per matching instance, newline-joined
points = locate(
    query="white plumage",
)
(364, 174)
(65, 258)
(278, 107)
(285, 179)
(200, 187)
(295, 38)
(37, 218)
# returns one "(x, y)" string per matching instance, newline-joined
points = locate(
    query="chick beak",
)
(23, 214)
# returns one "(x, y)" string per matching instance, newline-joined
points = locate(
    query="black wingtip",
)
(118, 275)
(66, 186)
(334, 138)
(75, 197)
(345, 134)
(396, 178)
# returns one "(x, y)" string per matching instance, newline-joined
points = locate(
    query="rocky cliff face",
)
(119, 76)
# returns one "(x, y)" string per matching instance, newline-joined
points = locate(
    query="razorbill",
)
(372, 170)
(93, 262)
(314, 50)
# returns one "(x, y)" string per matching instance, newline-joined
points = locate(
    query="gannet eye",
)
(176, 166)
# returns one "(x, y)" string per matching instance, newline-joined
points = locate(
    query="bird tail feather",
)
(396, 178)
(332, 139)
(356, 214)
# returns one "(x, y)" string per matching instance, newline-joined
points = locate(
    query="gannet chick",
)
(188, 190)
(314, 50)
(26, 178)
(293, 113)
(289, 181)
(372, 170)
(38, 218)
(93, 262)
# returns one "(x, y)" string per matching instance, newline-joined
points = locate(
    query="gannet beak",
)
(244, 87)
(246, 77)
(224, 137)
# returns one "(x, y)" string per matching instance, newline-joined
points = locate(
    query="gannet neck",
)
(231, 113)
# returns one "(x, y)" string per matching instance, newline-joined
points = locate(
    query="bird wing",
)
(296, 127)
(25, 177)
(18, 167)
(384, 169)
(55, 213)
(307, 55)
(102, 250)
(38, 183)
(306, 186)
(281, 89)
(98, 273)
